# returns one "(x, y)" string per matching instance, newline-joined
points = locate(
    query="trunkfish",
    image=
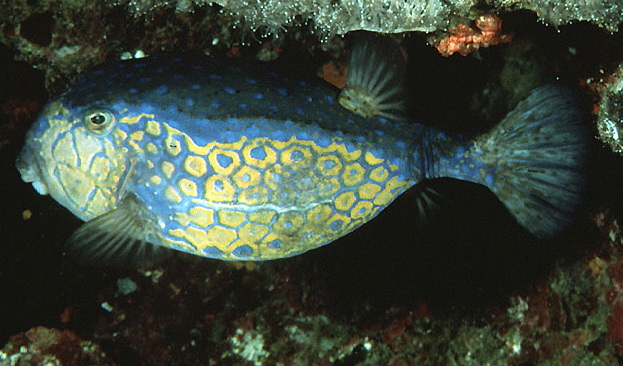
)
(239, 161)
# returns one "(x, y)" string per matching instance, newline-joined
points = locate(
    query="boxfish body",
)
(237, 161)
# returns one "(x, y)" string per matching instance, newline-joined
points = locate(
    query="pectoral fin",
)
(118, 238)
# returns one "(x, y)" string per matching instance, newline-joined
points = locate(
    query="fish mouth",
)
(30, 172)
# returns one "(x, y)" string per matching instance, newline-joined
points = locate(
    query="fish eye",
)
(99, 121)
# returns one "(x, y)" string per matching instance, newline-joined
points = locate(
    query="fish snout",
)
(29, 169)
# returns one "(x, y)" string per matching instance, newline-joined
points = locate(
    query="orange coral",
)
(464, 39)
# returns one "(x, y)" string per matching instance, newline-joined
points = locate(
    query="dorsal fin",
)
(117, 238)
(375, 82)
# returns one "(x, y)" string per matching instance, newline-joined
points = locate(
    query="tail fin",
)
(539, 152)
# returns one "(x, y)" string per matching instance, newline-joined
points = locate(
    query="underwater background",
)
(463, 286)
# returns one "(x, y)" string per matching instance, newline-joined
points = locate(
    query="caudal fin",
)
(539, 152)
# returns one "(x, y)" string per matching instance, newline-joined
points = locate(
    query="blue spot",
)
(401, 145)
(350, 120)
(309, 99)
(190, 101)
(296, 155)
(325, 116)
(273, 108)
(98, 72)
(490, 179)
(275, 244)
(144, 80)
(109, 92)
(258, 153)
(218, 185)
(460, 150)
(250, 81)
(133, 91)
(302, 83)
(212, 252)
(224, 161)
(216, 77)
(162, 69)
(383, 120)
(308, 235)
(362, 210)
(140, 65)
(288, 225)
(283, 91)
(243, 106)
(246, 177)
(177, 76)
(215, 105)
(330, 99)
(176, 59)
(329, 164)
(336, 225)
(258, 96)
(197, 67)
(379, 133)
(195, 87)
(229, 90)
(242, 251)
(300, 112)
(272, 74)
(162, 89)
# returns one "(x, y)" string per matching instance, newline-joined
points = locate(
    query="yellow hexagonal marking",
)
(379, 174)
(219, 189)
(328, 187)
(230, 218)
(153, 128)
(223, 161)
(168, 169)
(252, 233)
(64, 152)
(295, 156)
(258, 154)
(100, 168)
(221, 237)
(197, 237)
(151, 147)
(368, 191)
(289, 223)
(362, 210)
(172, 195)
(138, 135)
(188, 187)
(329, 165)
(195, 165)
(371, 159)
(246, 177)
(338, 223)
(319, 214)
(353, 174)
(273, 177)
(344, 201)
(135, 146)
(253, 196)
(201, 216)
(173, 145)
(150, 164)
(155, 179)
(262, 217)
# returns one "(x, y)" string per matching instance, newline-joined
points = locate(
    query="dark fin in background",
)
(117, 238)
(375, 81)
(540, 151)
